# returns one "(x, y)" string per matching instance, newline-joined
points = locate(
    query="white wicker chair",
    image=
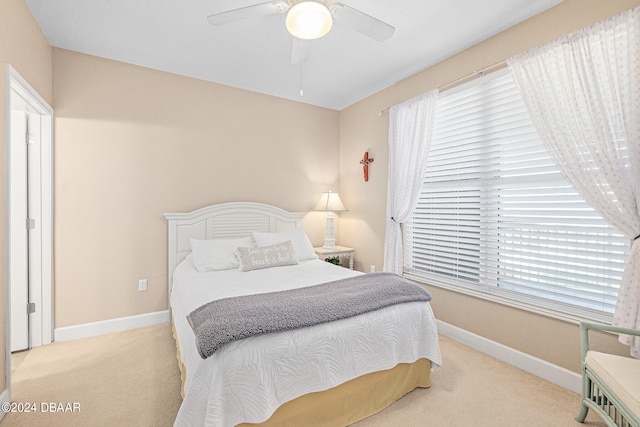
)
(610, 383)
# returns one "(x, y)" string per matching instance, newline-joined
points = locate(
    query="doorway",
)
(29, 162)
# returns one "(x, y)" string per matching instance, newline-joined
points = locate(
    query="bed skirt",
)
(354, 400)
(183, 371)
(347, 403)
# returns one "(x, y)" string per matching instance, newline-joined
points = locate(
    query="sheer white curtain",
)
(410, 127)
(583, 94)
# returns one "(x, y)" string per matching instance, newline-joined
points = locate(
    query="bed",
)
(329, 374)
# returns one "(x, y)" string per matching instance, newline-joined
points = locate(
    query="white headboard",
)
(225, 220)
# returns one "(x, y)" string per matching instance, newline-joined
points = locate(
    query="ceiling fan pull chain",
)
(301, 92)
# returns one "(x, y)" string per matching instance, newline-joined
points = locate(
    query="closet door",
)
(19, 235)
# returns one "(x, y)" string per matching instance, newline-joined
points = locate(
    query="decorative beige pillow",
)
(254, 258)
(301, 244)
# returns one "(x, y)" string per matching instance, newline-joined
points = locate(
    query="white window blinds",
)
(496, 217)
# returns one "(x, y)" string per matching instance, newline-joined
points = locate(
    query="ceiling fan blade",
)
(262, 9)
(299, 51)
(362, 23)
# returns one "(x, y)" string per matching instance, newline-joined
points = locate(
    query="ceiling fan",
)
(310, 19)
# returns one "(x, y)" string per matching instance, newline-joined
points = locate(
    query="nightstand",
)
(338, 251)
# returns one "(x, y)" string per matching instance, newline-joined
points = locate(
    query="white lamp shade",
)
(308, 20)
(331, 202)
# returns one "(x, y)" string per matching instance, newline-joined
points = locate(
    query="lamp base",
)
(329, 236)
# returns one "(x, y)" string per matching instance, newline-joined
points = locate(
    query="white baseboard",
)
(4, 398)
(548, 371)
(93, 329)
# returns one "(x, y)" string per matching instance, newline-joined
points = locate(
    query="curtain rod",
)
(477, 73)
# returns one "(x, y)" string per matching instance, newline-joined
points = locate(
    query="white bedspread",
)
(246, 381)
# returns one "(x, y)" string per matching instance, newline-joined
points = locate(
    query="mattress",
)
(247, 380)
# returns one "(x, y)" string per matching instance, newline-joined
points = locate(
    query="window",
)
(497, 219)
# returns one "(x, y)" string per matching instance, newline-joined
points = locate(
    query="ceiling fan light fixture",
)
(308, 20)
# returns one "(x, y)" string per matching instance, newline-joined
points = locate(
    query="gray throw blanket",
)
(222, 321)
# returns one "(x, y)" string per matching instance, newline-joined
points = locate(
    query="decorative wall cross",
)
(365, 165)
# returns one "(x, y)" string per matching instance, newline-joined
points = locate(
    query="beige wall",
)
(363, 226)
(24, 47)
(132, 143)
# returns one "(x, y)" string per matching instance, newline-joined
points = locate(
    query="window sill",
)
(558, 311)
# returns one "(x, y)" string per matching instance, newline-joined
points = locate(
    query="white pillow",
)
(301, 244)
(217, 254)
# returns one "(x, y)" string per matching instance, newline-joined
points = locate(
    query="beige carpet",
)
(124, 379)
(131, 379)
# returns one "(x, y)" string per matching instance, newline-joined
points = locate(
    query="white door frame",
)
(41, 321)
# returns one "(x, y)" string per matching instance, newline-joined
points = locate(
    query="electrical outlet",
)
(142, 284)
(373, 269)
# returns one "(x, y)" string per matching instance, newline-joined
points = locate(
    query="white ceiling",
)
(255, 54)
